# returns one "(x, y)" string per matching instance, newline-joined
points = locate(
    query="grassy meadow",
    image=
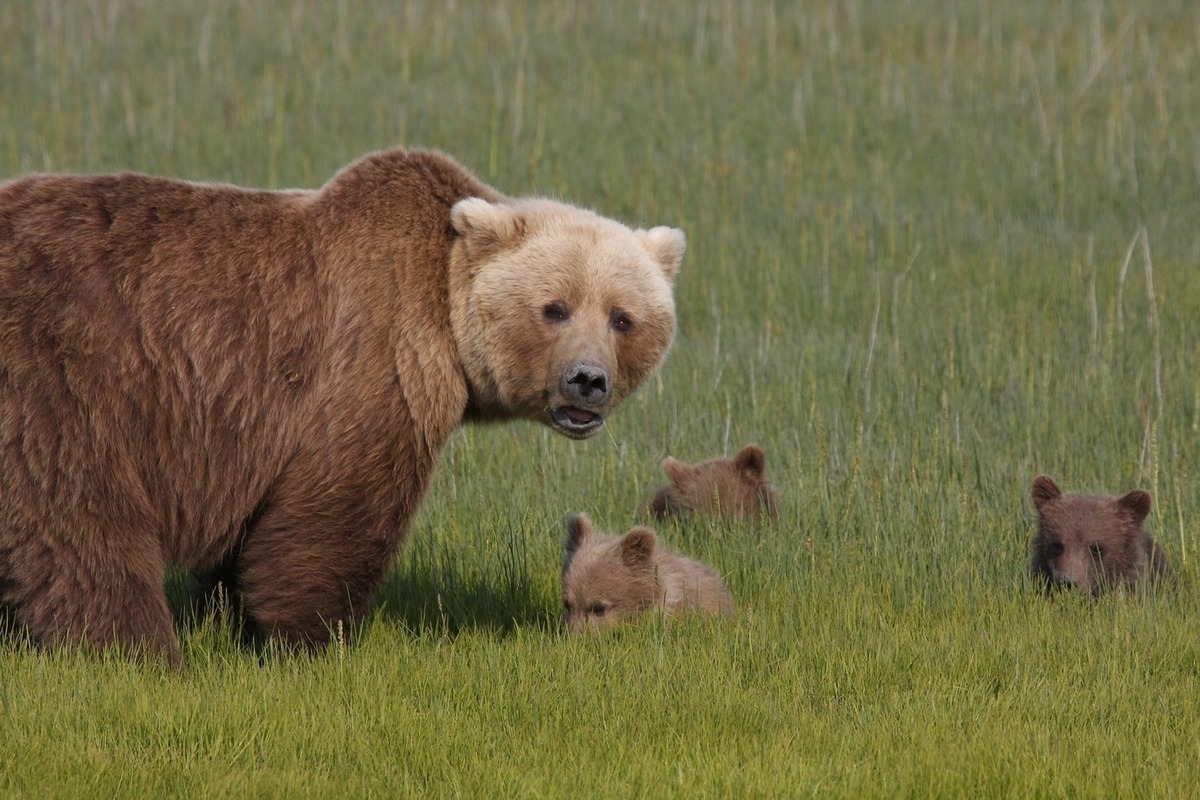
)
(934, 250)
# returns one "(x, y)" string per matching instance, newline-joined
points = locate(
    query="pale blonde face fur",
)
(609, 578)
(559, 313)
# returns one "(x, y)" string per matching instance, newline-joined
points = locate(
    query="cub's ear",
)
(486, 227)
(637, 546)
(664, 504)
(676, 470)
(666, 245)
(1044, 490)
(1136, 503)
(751, 461)
(579, 528)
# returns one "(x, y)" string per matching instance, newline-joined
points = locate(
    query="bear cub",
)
(608, 578)
(730, 488)
(1092, 543)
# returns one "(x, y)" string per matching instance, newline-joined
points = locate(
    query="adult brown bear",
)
(260, 382)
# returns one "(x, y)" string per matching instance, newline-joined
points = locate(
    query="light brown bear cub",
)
(731, 488)
(1092, 543)
(256, 385)
(608, 578)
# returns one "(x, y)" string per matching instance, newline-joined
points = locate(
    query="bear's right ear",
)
(1137, 503)
(676, 471)
(1044, 490)
(751, 461)
(485, 227)
(579, 528)
(666, 245)
(637, 546)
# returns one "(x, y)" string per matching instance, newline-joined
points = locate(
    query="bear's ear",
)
(637, 546)
(676, 470)
(663, 504)
(1136, 503)
(1044, 490)
(751, 461)
(579, 528)
(666, 245)
(486, 227)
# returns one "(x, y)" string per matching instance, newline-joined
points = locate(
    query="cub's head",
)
(606, 578)
(1089, 543)
(558, 313)
(734, 488)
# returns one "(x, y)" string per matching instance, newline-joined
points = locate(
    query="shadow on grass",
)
(445, 602)
(432, 590)
(437, 600)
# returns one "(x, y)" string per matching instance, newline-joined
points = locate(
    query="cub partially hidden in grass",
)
(608, 578)
(731, 488)
(1092, 543)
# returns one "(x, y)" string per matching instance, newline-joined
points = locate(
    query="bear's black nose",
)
(586, 384)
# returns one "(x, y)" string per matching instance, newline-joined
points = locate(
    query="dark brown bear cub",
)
(1092, 543)
(731, 488)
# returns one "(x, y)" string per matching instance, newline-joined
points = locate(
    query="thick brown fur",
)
(257, 384)
(609, 578)
(730, 488)
(1092, 543)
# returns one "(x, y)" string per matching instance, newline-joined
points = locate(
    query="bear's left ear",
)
(486, 227)
(666, 245)
(676, 471)
(1136, 503)
(637, 546)
(751, 461)
(1044, 490)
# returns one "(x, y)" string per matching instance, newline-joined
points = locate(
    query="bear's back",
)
(690, 584)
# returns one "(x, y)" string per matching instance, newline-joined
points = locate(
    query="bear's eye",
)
(1055, 548)
(599, 609)
(556, 312)
(1096, 549)
(620, 321)
(567, 606)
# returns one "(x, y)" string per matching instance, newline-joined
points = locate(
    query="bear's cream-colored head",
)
(558, 313)
(607, 578)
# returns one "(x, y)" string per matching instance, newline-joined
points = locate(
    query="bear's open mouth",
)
(575, 422)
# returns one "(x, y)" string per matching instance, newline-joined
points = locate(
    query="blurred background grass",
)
(934, 249)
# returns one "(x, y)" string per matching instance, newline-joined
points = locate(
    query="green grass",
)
(934, 249)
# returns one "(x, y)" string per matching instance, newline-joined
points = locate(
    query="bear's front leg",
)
(311, 565)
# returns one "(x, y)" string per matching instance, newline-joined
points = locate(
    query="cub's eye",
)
(1055, 548)
(1096, 549)
(567, 606)
(556, 312)
(599, 609)
(620, 321)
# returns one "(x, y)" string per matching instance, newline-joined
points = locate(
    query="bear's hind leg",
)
(104, 601)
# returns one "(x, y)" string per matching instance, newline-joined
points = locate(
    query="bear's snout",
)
(586, 384)
(587, 389)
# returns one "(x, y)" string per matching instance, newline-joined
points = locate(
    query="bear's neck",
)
(392, 352)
